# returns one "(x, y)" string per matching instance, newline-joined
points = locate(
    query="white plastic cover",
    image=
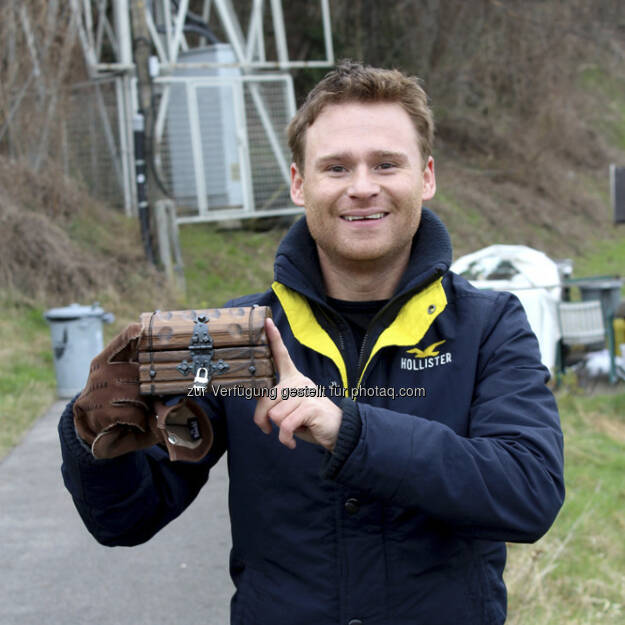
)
(531, 275)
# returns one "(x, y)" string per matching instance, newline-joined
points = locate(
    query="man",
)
(388, 500)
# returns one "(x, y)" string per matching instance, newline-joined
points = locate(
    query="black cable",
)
(151, 151)
(149, 132)
(196, 22)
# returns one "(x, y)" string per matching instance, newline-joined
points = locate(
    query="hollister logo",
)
(425, 358)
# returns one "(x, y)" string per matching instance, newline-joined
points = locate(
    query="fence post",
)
(169, 255)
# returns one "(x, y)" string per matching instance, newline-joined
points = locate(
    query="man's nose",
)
(363, 184)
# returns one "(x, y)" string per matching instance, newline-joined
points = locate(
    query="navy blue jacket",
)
(451, 447)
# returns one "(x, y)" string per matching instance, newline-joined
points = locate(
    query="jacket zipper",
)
(329, 314)
(362, 351)
(376, 318)
(393, 302)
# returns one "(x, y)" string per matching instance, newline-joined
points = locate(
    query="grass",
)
(27, 382)
(220, 265)
(610, 87)
(608, 258)
(576, 573)
(460, 219)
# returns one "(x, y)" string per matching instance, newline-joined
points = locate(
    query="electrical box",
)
(214, 121)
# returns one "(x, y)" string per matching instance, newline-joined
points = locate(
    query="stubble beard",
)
(360, 255)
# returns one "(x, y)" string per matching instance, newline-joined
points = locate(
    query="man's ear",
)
(429, 180)
(297, 186)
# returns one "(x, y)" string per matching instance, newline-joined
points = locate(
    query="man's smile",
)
(369, 217)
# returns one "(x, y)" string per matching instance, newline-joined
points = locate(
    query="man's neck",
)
(360, 281)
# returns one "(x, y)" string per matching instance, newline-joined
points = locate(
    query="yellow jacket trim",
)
(306, 328)
(413, 320)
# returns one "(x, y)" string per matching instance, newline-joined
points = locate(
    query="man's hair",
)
(356, 82)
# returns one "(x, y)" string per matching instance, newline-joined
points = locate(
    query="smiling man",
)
(362, 181)
(370, 503)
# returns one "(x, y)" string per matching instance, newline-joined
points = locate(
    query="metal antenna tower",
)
(220, 108)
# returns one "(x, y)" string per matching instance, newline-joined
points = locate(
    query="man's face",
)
(363, 182)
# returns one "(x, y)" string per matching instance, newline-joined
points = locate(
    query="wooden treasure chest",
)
(196, 351)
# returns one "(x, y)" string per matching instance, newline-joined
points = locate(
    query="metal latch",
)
(202, 352)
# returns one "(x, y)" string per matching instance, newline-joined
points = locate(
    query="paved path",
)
(52, 571)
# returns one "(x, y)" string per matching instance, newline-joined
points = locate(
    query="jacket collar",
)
(297, 263)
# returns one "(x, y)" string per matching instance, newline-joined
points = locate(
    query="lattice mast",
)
(106, 26)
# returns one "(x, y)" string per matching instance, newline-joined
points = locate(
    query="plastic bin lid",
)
(74, 311)
(598, 282)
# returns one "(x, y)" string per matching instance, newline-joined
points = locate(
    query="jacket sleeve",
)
(504, 480)
(126, 500)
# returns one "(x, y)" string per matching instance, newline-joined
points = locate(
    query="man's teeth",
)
(354, 218)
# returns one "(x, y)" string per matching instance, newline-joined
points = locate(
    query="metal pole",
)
(327, 31)
(167, 18)
(127, 93)
(88, 51)
(278, 29)
(233, 28)
(289, 90)
(100, 31)
(156, 40)
(196, 149)
(123, 144)
(180, 18)
(170, 67)
(243, 149)
(253, 32)
(122, 29)
(88, 22)
(260, 37)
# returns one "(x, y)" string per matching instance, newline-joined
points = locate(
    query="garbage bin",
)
(606, 290)
(76, 333)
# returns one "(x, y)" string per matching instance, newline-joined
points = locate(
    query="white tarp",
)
(531, 275)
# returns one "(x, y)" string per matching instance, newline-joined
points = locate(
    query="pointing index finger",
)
(281, 358)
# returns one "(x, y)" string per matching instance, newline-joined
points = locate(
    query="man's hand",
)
(313, 419)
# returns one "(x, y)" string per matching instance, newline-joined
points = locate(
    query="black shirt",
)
(357, 314)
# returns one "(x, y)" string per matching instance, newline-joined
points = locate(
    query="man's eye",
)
(336, 169)
(386, 165)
